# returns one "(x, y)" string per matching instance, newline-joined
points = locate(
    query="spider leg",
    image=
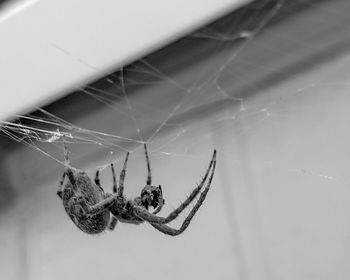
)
(149, 179)
(60, 187)
(152, 218)
(122, 177)
(98, 182)
(149, 176)
(172, 231)
(67, 171)
(112, 223)
(97, 178)
(98, 207)
(114, 179)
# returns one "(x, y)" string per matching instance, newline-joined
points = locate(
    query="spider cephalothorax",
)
(152, 196)
(89, 207)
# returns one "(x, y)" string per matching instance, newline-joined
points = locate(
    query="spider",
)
(90, 208)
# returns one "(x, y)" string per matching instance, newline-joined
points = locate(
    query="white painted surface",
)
(50, 46)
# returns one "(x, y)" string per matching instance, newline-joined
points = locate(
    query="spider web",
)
(220, 85)
(261, 96)
(161, 124)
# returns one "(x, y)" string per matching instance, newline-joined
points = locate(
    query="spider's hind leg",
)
(97, 208)
(60, 187)
(112, 223)
(67, 170)
(97, 180)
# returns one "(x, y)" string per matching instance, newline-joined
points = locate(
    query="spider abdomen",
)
(92, 194)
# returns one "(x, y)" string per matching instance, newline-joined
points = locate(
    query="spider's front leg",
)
(152, 218)
(149, 182)
(172, 231)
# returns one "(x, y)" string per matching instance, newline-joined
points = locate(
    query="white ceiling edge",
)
(49, 47)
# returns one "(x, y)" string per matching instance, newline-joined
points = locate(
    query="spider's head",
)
(152, 196)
